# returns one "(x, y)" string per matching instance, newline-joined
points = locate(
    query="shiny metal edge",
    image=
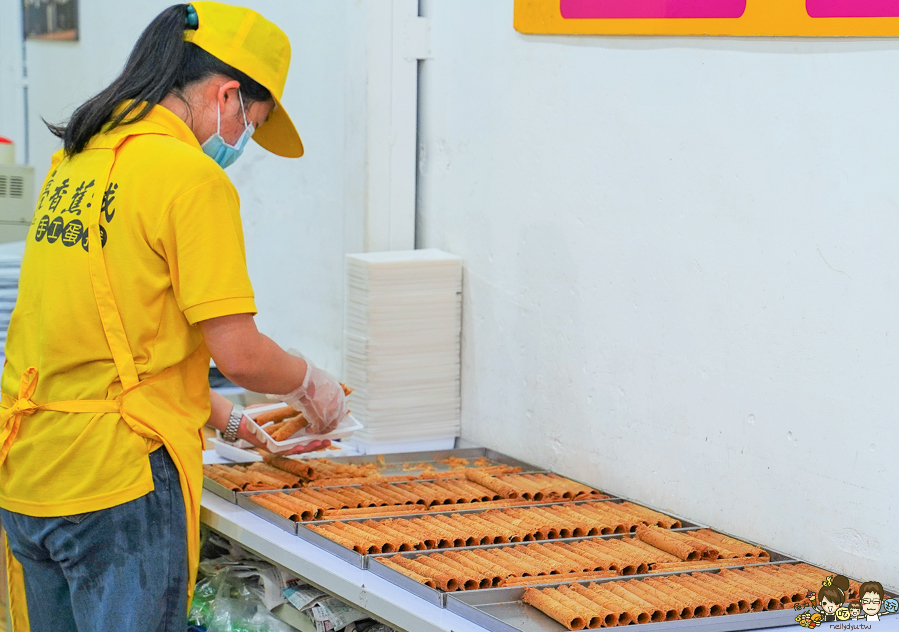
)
(347, 555)
(243, 500)
(478, 606)
(220, 490)
(434, 594)
(431, 595)
(685, 524)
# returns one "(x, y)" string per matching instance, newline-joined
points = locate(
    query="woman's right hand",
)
(320, 398)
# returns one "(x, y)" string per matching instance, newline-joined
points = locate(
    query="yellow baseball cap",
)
(247, 41)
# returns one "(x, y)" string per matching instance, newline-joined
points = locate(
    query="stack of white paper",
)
(402, 342)
(10, 264)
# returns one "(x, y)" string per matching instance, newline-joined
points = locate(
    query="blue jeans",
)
(122, 569)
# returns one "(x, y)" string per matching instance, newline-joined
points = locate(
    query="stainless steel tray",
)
(220, 490)
(361, 561)
(502, 610)
(392, 465)
(243, 500)
(438, 597)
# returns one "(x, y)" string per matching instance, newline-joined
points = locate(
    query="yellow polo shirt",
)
(173, 244)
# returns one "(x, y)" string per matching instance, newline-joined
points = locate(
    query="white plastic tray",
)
(231, 452)
(344, 429)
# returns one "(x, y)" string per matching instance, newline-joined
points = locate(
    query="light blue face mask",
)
(215, 146)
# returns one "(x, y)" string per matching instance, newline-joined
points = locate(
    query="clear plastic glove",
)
(320, 398)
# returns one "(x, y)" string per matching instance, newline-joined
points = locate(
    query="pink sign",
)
(627, 9)
(852, 8)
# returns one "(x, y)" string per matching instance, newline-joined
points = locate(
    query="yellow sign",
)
(805, 18)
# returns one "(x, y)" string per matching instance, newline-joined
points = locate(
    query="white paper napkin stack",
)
(402, 343)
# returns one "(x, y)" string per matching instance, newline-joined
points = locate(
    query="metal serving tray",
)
(502, 610)
(243, 500)
(361, 561)
(220, 490)
(392, 465)
(438, 597)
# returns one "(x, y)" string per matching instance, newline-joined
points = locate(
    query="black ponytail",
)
(160, 64)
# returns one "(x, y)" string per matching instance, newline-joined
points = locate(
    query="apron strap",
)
(104, 158)
(13, 410)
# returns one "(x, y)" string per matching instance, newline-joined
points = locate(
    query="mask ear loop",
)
(243, 109)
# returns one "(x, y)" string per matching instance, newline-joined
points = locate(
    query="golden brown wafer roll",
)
(342, 498)
(477, 493)
(665, 567)
(523, 486)
(615, 603)
(502, 526)
(328, 532)
(445, 539)
(590, 593)
(276, 473)
(699, 604)
(552, 608)
(463, 580)
(757, 600)
(544, 561)
(571, 563)
(490, 504)
(668, 542)
(377, 542)
(290, 428)
(445, 581)
(717, 602)
(399, 540)
(766, 597)
(277, 415)
(510, 562)
(224, 482)
(787, 590)
(273, 483)
(488, 565)
(426, 495)
(423, 539)
(303, 510)
(492, 483)
(315, 496)
(738, 600)
(583, 606)
(480, 570)
(736, 547)
(339, 482)
(235, 476)
(460, 537)
(669, 595)
(274, 507)
(292, 466)
(532, 581)
(273, 428)
(427, 581)
(585, 564)
(654, 612)
(602, 617)
(462, 534)
(707, 550)
(669, 606)
(652, 517)
(369, 512)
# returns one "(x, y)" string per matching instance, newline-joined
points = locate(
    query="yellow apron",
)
(143, 405)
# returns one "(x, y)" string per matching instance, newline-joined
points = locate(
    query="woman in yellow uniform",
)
(134, 274)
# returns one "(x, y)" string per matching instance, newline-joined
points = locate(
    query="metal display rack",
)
(391, 597)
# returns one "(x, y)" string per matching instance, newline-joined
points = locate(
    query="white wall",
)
(681, 268)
